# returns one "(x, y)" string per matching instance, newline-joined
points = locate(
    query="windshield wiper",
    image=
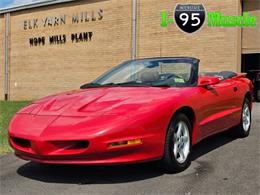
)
(93, 85)
(129, 83)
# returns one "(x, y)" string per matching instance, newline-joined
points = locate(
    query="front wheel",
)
(177, 145)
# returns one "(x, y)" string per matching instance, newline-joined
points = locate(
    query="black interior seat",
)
(227, 74)
(149, 76)
(222, 75)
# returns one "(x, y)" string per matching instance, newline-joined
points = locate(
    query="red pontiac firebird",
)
(142, 110)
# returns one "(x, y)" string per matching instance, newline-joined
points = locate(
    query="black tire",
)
(169, 162)
(240, 130)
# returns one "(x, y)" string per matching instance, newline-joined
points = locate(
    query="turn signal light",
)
(125, 143)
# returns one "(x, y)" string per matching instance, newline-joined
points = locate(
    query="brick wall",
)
(42, 70)
(216, 47)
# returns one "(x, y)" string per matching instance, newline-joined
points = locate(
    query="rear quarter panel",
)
(245, 86)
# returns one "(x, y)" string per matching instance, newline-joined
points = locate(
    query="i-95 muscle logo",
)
(189, 18)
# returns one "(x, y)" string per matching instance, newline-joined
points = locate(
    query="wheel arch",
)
(248, 96)
(190, 113)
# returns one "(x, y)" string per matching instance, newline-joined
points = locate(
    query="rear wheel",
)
(244, 127)
(177, 145)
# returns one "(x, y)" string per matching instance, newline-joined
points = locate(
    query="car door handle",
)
(235, 89)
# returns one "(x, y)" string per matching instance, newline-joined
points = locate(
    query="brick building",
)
(58, 45)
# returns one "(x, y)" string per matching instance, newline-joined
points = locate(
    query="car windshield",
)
(151, 72)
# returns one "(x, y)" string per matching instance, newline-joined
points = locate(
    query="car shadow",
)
(74, 174)
(212, 143)
(78, 174)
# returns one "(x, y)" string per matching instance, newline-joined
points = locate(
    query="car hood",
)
(100, 101)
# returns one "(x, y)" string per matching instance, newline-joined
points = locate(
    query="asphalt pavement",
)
(220, 165)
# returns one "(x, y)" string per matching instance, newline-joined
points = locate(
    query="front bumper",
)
(94, 151)
(78, 140)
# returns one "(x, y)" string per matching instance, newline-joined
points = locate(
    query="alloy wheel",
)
(246, 117)
(181, 140)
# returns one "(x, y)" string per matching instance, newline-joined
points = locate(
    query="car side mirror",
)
(207, 81)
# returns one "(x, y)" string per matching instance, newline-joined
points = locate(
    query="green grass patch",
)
(7, 110)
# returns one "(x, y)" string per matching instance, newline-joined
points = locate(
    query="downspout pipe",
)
(6, 65)
(134, 21)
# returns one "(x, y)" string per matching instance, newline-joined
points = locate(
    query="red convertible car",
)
(142, 110)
